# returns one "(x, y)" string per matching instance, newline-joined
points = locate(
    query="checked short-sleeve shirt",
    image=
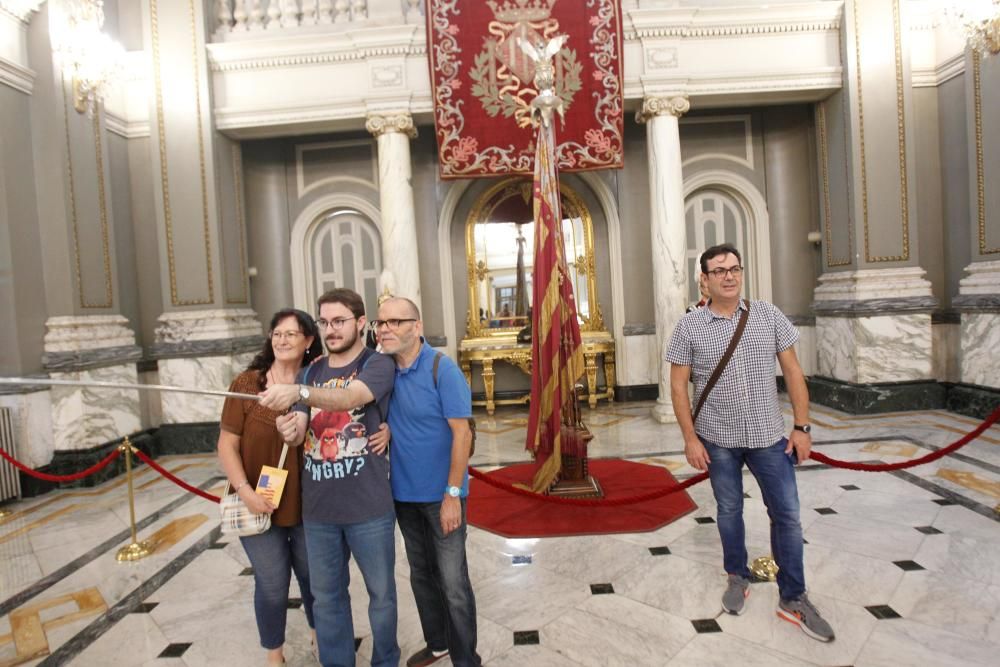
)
(742, 409)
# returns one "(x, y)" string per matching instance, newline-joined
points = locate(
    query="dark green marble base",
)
(869, 399)
(973, 400)
(637, 392)
(168, 439)
(195, 438)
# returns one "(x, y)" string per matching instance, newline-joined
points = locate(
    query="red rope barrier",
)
(115, 453)
(588, 502)
(176, 480)
(933, 456)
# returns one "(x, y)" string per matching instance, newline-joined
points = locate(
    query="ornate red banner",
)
(482, 84)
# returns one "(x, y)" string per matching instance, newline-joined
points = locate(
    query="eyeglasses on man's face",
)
(720, 273)
(290, 336)
(336, 324)
(393, 324)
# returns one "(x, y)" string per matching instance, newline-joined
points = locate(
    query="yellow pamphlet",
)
(272, 483)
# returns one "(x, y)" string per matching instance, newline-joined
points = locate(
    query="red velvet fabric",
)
(482, 83)
(513, 515)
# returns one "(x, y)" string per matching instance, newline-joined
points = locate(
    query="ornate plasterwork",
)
(677, 105)
(379, 124)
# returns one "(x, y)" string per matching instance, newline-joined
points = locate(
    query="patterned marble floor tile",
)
(133, 641)
(955, 604)
(529, 597)
(760, 624)
(850, 577)
(725, 650)
(907, 642)
(677, 585)
(876, 539)
(885, 507)
(536, 656)
(972, 557)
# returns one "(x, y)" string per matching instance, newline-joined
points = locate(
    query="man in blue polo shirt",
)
(431, 439)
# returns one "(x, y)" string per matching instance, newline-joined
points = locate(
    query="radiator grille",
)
(10, 483)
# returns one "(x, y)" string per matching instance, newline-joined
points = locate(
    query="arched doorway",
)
(342, 248)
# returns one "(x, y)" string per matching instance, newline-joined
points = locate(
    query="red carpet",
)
(513, 515)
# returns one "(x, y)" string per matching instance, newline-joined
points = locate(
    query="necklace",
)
(274, 378)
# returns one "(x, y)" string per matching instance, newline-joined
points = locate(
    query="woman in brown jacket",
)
(249, 440)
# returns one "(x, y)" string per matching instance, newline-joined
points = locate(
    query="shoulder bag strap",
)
(717, 373)
(434, 369)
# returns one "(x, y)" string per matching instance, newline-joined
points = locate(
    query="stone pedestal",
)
(874, 341)
(669, 240)
(979, 303)
(91, 348)
(401, 273)
(202, 349)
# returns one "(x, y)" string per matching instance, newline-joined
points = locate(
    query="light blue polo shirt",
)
(420, 453)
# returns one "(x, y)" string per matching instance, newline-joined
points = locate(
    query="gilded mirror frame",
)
(586, 264)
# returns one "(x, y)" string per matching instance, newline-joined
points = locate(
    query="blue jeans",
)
(373, 544)
(274, 556)
(775, 474)
(439, 576)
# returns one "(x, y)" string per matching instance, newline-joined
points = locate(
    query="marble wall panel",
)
(835, 351)
(33, 437)
(894, 348)
(197, 373)
(980, 335)
(641, 358)
(946, 342)
(84, 417)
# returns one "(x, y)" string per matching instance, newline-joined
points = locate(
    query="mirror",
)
(499, 240)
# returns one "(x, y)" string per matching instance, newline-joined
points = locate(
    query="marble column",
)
(669, 240)
(400, 263)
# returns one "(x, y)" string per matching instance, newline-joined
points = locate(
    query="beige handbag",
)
(237, 519)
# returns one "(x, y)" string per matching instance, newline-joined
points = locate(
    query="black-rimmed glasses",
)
(393, 324)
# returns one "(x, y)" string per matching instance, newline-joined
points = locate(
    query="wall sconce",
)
(980, 21)
(88, 56)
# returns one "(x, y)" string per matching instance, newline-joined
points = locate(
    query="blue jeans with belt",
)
(275, 554)
(439, 577)
(774, 471)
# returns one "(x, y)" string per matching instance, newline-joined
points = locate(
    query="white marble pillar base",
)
(980, 334)
(866, 350)
(980, 331)
(33, 434)
(866, 329)
(206, 331)
(84, 417)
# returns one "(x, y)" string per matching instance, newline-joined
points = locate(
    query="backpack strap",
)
(717, 373)
(434, 369)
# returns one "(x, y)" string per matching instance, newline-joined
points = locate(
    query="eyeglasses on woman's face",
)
(290, 336)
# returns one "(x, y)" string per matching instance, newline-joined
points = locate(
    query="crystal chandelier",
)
(980, 21)
(90, 57)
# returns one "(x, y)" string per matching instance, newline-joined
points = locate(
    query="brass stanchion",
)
(764, 568)
(5, 513)
(136, 549)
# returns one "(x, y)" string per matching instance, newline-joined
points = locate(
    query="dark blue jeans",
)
(775, 474)
(373, 544)
(274, 556)
(439, 576)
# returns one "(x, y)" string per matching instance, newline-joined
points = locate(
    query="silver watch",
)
(303, 393)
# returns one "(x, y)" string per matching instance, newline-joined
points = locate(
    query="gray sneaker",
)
(802, 613)
(736, 594)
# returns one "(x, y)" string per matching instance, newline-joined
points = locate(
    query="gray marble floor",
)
(904, 565)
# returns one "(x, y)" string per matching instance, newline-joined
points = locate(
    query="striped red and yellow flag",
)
(556, 348)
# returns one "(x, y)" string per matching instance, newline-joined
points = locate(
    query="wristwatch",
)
(453, 491)
(805, 428)
(303, 393)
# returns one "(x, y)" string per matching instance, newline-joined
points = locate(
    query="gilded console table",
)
(485, 352)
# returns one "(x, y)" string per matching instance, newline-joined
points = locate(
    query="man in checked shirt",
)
(741, 423)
